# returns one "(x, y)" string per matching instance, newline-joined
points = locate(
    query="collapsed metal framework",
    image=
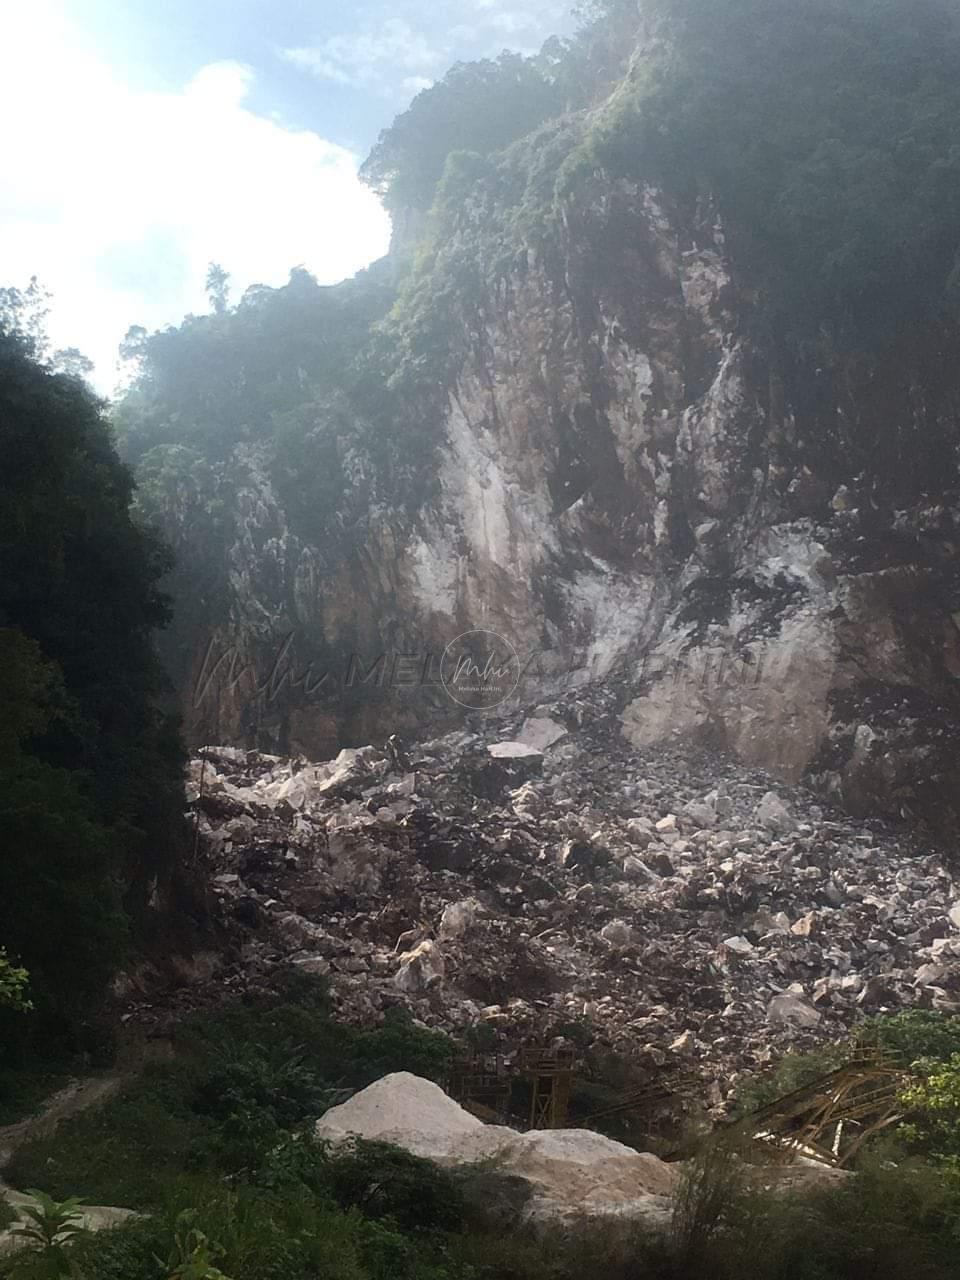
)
(830, 1118)
(483, 1084)
(638, 1100)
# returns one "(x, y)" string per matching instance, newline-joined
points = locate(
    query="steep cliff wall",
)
(600, 441)
(624, 473)
(601, 393)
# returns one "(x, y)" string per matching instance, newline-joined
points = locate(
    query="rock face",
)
(627, 474)
(590, 899)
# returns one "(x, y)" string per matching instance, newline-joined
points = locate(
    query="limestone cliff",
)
(625, 467)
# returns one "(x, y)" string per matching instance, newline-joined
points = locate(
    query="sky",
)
(144, 139)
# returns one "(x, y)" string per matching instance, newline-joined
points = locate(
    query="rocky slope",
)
(540, 876)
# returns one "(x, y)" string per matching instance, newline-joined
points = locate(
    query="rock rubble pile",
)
(541, 876)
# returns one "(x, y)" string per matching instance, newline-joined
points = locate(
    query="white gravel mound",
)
(415, 1114)
(571, 1170)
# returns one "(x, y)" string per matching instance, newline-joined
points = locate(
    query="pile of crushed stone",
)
(416, 1114)
(539, 877)
(570, 1170)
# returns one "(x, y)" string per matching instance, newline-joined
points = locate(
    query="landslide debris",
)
(678, 909)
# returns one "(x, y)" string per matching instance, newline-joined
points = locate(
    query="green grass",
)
(218, 1141)
(241, 1079)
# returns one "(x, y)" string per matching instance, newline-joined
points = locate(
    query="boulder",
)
(459, 917)
(789, 1009)
(420, 969)
(773, 815)
(513, 751)
(618, 933)
(540, 733)
(699, 814)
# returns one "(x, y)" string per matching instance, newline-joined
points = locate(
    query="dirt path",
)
(69, 1101)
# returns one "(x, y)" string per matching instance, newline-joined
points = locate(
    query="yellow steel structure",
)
(481, 1083)
(550, 1072)
(830, 1118)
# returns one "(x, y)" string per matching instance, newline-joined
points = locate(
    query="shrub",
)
(932, 1102)
(47, 1230)
(274, 1079)
(793, 1071)
(132, 1251)
(914, 1034)
(386, 1182)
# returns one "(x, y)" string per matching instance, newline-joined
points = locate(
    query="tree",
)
(218, 287)
(13, 984)
(477, 106)
(30, 691)
(72, 362)
(932, 1103)
(90, 774)
(23, 314)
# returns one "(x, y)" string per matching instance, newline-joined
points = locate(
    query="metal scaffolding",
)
(480, 1082)
(550, 1072)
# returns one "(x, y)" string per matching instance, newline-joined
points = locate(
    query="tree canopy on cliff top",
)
(827, 132)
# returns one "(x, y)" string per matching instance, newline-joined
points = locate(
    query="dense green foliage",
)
(90, 789)
(826, 131)
(265, 384)
(483, 107)
(914, 1034)
(905, 1038)
(222, 379)
(242, 1079)
(933, 1104)
(477, 106)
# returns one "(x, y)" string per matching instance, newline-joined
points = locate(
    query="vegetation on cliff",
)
(822, 132)
(825, 131)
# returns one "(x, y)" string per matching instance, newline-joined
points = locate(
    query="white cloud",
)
(394, 57)
(117, 198)
(415, 84)
(369, 59)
